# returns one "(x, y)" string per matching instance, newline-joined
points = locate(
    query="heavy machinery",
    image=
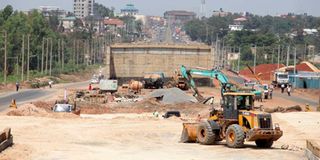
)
(263, 88)
(178, 81)
(280, 78)
(235, 122)
(153, 80)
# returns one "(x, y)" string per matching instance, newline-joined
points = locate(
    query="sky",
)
(158, 7)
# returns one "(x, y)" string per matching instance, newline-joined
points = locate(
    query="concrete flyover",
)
(125, 61)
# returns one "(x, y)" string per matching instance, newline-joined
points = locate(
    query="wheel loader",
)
(236, 122)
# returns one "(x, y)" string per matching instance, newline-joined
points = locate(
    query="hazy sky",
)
(158, 7)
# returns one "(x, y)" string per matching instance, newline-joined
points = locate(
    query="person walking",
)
(271, 90)
(282, 88)
(289, 90)
(90, 87)
(50, 84)
(17, 86)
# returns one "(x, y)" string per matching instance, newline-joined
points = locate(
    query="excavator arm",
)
(187, 74)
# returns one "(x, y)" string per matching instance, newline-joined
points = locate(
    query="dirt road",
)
(138, 136)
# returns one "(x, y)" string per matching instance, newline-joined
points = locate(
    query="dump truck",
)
(235, 121)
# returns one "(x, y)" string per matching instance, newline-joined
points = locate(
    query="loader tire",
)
(205, 135)
(235, 136)
(264, 143)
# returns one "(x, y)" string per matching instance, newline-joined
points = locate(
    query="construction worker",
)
(289, 90)
(90, 87)
(17, 86)
(50, 84)
(271, 90)
(199, 117)
(282, 88)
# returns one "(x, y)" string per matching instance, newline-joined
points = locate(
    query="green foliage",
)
(102, 11)
(37, 27)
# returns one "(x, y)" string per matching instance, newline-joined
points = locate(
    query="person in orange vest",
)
(90, 87)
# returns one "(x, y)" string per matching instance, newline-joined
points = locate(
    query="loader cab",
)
(233, 102)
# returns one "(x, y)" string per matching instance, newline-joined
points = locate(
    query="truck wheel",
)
(264, 143)
(235, 136)
(205, 134)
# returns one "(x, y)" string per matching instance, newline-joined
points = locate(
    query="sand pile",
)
(28, 110)
(35, 111)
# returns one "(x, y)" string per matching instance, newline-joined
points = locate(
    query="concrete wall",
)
(134, 60)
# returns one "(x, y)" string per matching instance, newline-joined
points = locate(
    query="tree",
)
(102, 11)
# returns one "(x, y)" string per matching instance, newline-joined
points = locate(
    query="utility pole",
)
(28, 59)
(62, 56)
(77, 52)
(22, 62)
(288, 54)
(42, 55)
(59, 64)
(47, 56)
(278, 56)
(255, 59)
(5, 57)
(74, 52)
(50, 71)
(295, 61)
(239, 60)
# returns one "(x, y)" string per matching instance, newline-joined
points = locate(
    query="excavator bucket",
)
(189, 132)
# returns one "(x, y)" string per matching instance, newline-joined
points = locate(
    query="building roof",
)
(241, 19)
(113, 21)
(130, 8)
(68, 18)
(265, 71)
(307, 66)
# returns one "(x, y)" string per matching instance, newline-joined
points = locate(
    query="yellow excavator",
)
(236, 120)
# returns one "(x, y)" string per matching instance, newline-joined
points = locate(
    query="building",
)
(48, 11)
(67, 23)
(129, 10)
(179, 16)
(240, 20)
(112, 24)
(83, 8)
(236, 27)
(221, 13)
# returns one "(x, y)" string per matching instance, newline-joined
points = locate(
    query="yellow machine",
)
(235, 122)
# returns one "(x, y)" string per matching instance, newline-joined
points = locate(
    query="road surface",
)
(28, 95)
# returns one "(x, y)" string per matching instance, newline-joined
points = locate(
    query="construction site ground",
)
(130, 131)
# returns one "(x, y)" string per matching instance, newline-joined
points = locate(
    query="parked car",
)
(171, 113)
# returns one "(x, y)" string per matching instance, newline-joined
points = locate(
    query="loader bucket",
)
(189, 132)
